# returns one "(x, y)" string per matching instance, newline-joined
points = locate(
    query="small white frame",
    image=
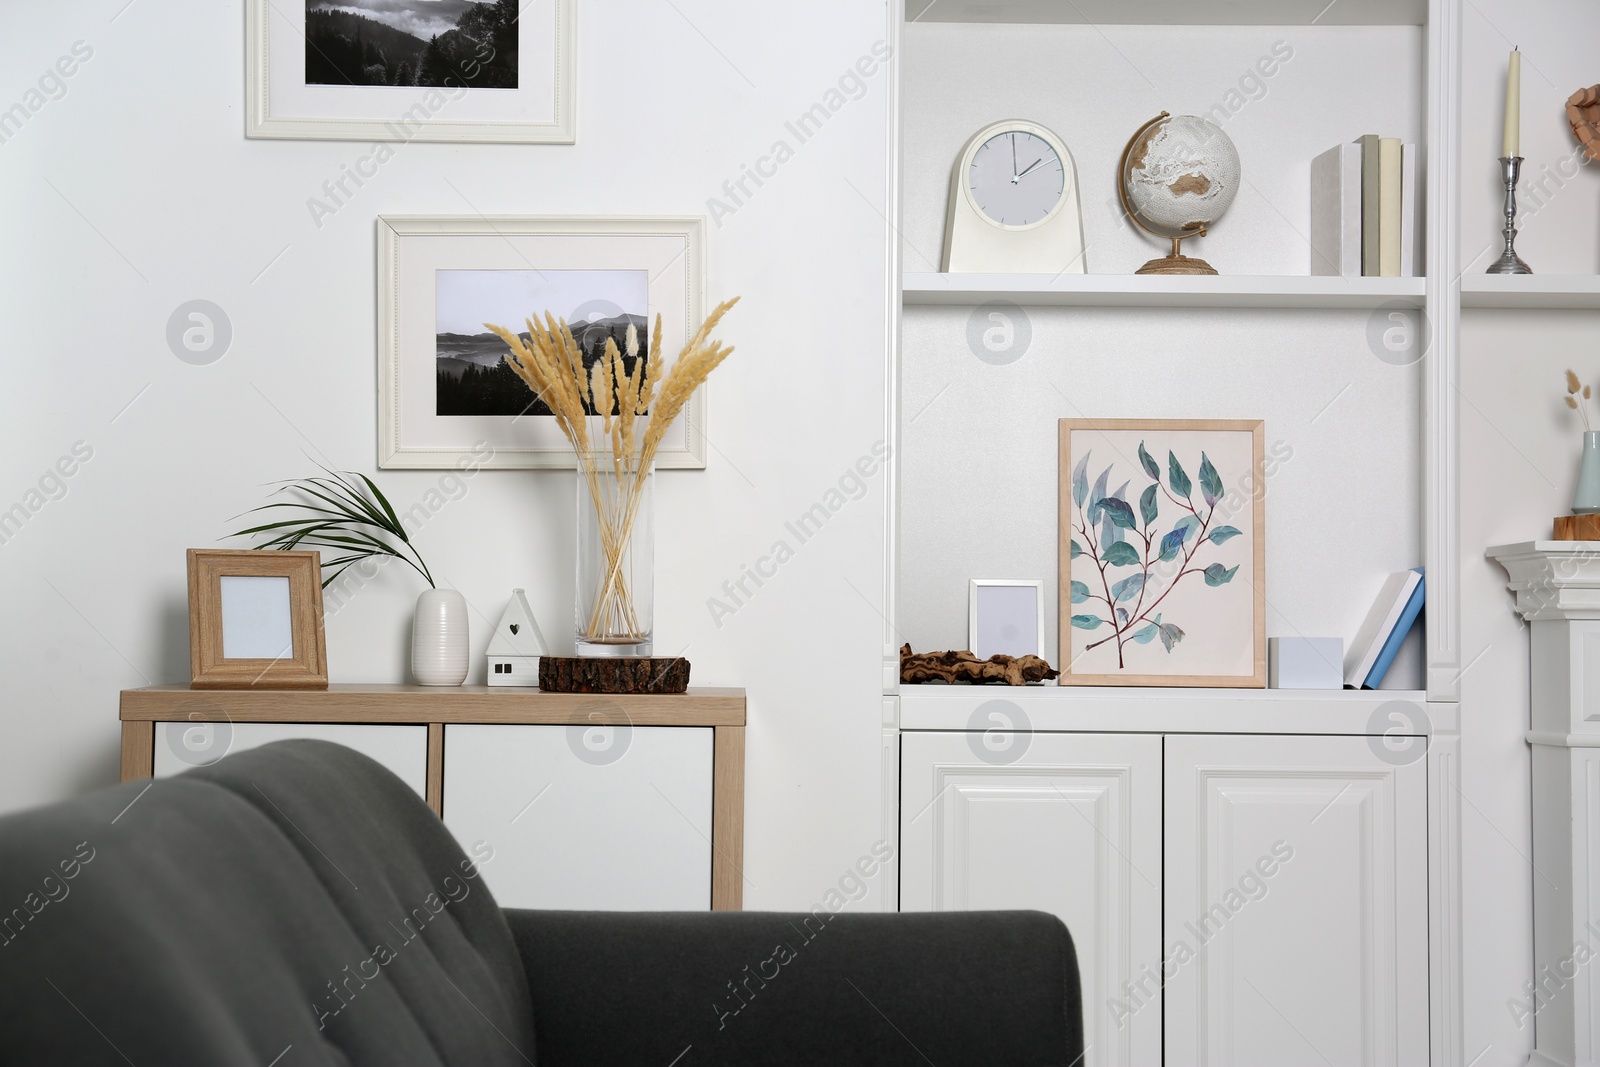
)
(975, 586)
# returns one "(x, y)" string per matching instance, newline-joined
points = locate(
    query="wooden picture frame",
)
(285, 99)
(975, 614)
(441, 277)
(273, 628)
(1208, 631)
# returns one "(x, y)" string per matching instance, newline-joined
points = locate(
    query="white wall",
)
(137, 191)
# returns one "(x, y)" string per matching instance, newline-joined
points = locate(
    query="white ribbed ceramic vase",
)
(439, 638)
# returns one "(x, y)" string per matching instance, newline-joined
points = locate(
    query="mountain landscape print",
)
(470, 43)
(471, 376)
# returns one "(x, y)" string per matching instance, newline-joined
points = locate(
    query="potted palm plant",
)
(347, 514)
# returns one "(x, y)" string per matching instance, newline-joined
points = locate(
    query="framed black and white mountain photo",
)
(411, 70)
(447, 396)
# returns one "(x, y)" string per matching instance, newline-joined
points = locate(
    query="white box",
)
(1305, 662)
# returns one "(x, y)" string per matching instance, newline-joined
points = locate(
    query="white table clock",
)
(1014, 204)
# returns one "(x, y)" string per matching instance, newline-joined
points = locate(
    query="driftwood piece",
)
(1583, 113)
(581, 674)
(963, 668)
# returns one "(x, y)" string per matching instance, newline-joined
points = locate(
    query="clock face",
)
(1016, 178)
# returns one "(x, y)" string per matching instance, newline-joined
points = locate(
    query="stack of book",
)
(1364, 209)
(1379, 639)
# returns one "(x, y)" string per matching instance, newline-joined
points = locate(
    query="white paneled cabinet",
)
(1296, 907)
(1234, 900)
(585, 817)
(1071, 825)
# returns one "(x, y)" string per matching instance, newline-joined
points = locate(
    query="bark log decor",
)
(583, 674)
(963, 668)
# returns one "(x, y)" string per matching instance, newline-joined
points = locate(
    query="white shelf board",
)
(1561, 291)
(1174, 12)
(1152, 291)
(1100, 709)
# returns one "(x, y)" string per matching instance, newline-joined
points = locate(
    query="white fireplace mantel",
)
(1553, 579)
(1557, 586)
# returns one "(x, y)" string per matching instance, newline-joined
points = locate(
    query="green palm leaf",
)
(341, 510)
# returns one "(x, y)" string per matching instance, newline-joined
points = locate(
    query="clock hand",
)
(1035, 163)
(1013, 157)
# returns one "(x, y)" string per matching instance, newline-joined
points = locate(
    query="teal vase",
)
(1586, 501)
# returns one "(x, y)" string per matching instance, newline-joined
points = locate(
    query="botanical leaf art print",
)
(1162, 548)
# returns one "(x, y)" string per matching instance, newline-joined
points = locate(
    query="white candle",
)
(1513, 142)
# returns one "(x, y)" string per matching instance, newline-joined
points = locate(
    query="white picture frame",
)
(279, 104)
(665, 252)
(1000, 616)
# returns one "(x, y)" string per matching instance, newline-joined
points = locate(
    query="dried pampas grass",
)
(1575, 389)
(615, 419)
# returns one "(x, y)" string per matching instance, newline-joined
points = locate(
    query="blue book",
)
(1397, 636)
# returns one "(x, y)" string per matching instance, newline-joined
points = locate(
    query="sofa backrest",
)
(293, 904)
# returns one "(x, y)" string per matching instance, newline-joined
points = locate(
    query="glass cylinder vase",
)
(616, 559)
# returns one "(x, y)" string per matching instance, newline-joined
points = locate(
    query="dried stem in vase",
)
(617, 399)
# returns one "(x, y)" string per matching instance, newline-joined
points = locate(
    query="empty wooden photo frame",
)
(255, 620)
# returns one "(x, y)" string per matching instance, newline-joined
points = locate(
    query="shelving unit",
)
(1094, 709)
(1531, 292)
(1157, 291)
(973, 489)
(1174, 12)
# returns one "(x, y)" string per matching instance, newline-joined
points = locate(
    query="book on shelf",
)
(1364, 209)
(1381, 623)
(1336, 212)
(1397, 636)
(1408, 211)
(1380, 206)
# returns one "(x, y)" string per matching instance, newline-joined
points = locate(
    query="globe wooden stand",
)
(1176, 263)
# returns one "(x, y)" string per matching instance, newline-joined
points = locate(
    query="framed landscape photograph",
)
(1162, 552)
(446, 393)
(410, 70)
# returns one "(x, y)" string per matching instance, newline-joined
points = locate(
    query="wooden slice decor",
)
(583, 674)
(1577, 528)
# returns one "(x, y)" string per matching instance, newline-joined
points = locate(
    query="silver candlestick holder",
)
(1509, 262)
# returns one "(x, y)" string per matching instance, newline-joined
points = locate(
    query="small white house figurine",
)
(516, 646)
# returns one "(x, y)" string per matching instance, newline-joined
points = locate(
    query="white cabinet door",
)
(1065, 823)
(1296, 902)
(402, 749)
(585, 817)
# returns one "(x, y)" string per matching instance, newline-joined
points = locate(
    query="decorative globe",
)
(1179, 174)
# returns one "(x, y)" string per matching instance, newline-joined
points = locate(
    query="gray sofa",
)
(297, 904)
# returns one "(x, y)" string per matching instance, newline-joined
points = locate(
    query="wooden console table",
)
(721, 710)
